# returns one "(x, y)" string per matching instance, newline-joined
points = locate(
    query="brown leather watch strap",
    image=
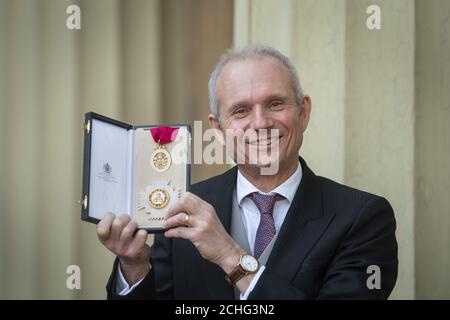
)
(236, 275)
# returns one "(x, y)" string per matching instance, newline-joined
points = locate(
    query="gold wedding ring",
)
(186, 219)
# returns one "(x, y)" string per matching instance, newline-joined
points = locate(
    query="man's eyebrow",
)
(238, 104)
(276, 96)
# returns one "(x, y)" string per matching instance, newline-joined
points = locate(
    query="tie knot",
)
(265, 202)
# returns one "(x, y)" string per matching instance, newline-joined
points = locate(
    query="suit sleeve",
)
(369, 241)
(157, 284)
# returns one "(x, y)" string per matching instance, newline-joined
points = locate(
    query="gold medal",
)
(160, 159)
(158, 198)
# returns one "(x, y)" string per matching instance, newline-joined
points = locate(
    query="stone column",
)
(100, 91)
(361, 82)
(432, 148)
(58, 219)
(379, 121)
(22, 152)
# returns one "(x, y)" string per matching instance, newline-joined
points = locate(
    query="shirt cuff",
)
(244, 296)
(122, 286)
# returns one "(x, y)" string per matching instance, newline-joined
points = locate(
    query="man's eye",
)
(276, 103)
(240, 111)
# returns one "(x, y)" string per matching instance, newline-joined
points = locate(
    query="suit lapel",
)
(222, 201)
(303, 226)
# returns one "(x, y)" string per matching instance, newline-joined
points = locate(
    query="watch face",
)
(249, 263)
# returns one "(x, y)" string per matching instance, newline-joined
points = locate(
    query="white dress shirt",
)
(251, 218)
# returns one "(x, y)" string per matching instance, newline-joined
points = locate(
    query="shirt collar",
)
(287, 189)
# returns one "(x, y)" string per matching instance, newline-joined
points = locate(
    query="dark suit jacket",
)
(331, 234)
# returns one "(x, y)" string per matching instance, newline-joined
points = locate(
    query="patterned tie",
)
(266, 229)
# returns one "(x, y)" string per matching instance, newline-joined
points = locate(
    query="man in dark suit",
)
(244, 234)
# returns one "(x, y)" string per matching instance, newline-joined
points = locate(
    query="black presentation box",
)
(136, 170)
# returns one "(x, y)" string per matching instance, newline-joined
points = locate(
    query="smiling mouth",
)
(263, 142)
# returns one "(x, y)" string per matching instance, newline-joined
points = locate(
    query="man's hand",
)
(116, 234)
(204, 229)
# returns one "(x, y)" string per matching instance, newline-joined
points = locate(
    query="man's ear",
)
(215, 125)
(213, 122)
(305, 111)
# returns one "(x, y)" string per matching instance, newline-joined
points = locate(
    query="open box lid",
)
(109, 168)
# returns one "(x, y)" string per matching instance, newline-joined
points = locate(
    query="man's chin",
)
(265, 165)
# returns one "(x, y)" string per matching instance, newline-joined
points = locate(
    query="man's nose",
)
(261, 118)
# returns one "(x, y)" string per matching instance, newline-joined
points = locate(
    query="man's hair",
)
(253, 51)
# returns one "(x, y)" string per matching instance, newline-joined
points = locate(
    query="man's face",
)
(256, 94)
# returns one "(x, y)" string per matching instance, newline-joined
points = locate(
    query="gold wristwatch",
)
(247, 264)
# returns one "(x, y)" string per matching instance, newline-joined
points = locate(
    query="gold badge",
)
(161, 159)
(158, 198)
